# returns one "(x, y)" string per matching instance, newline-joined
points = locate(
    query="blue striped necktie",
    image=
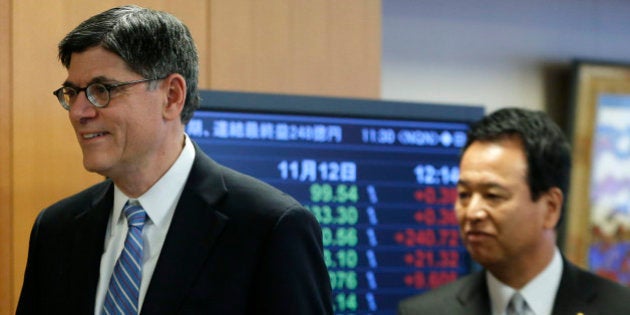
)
(124, 285)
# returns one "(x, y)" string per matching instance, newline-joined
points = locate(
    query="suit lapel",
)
(473, 296)
(193, 231)
(574, 295)
(85, 257)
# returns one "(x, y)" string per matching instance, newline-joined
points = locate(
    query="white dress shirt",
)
(159, 202)
(539, 293)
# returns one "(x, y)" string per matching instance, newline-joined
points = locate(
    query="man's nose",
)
(476, 209)
(82, 107)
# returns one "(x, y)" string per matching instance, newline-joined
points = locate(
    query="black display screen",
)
(379, 176)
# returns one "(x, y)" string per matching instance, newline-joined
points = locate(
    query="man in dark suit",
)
(201, 238)
(514, 174)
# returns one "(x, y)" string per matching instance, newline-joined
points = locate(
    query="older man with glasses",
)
(169, 230)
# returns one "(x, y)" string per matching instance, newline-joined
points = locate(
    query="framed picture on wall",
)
(598, 228)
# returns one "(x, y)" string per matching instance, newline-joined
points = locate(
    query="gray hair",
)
(152, 43)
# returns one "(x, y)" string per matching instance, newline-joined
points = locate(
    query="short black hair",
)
(546, 148)
(152, 43)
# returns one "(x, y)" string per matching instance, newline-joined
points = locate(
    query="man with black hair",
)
(514, 176)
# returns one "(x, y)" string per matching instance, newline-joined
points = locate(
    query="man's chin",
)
(482, 256)
(95, 168)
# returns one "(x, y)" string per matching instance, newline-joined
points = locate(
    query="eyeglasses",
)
(97, 93)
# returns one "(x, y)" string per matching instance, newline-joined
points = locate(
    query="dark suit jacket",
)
(235, 246)
(579, 291)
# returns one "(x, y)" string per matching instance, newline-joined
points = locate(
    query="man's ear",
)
(175, 86)
(554, 199)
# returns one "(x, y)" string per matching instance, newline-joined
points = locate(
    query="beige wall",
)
(6, 278)
(322, 47)
(308, 47)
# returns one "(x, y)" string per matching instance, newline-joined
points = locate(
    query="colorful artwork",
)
(609, 253)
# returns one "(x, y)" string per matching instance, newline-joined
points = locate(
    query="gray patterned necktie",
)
(517, 305)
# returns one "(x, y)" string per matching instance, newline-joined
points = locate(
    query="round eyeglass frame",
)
(64, 99)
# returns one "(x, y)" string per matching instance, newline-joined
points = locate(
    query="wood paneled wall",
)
(6, 275)
(321, 47)
(328, 48)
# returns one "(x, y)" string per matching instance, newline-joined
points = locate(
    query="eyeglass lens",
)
(98, 94)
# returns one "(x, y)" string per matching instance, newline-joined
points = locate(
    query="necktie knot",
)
(517, 305)
(135, 215)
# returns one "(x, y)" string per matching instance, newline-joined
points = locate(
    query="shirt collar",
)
(540, 292)
(163, 195)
